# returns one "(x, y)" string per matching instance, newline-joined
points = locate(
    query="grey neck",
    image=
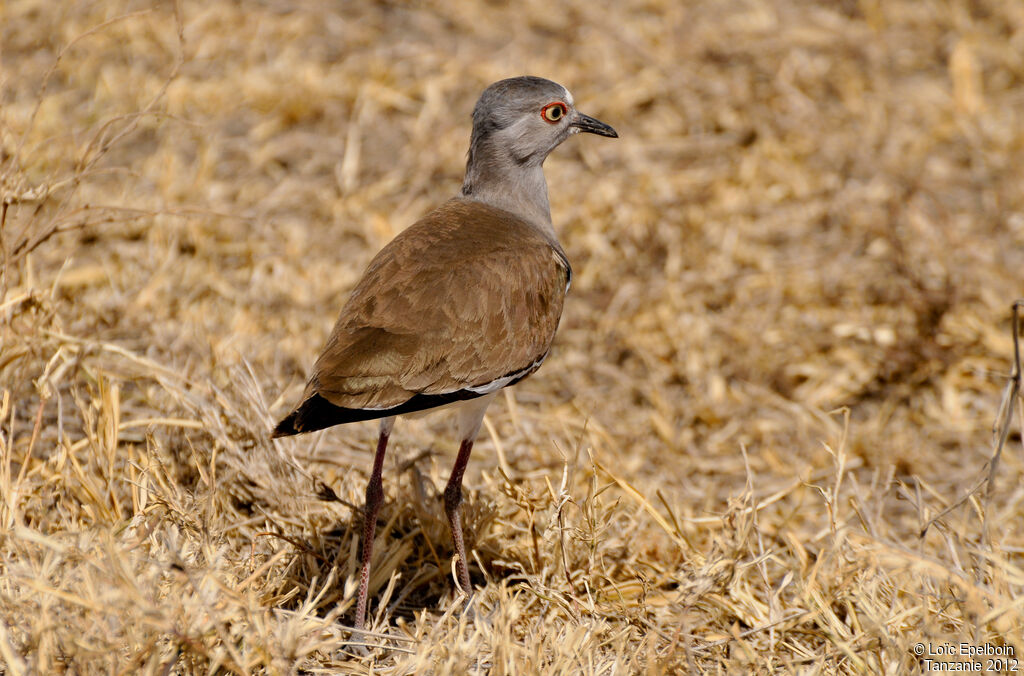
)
(495, 177)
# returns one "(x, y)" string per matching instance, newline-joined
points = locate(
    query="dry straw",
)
(760, 444)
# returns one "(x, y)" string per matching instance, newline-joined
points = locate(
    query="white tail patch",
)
(501, 382)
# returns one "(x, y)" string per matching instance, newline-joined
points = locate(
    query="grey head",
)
(516, 123)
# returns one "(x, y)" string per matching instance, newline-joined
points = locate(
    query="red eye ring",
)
(554, 112)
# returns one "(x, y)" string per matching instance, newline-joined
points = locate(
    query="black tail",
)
(286, 427)
(316, 413)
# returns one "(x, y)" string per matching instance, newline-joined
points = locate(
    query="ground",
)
(761, 443)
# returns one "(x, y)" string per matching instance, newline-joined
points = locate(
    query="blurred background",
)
(781, 358)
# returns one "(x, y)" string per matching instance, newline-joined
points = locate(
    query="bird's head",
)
(526, 118)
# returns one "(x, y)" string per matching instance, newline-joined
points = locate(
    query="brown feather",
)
(467, 295)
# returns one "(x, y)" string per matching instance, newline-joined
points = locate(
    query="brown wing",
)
(464, 297)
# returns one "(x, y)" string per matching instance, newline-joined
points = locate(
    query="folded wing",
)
(465, 300)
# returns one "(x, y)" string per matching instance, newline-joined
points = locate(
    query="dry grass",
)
(782, 355)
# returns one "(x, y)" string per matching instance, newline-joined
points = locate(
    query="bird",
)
(462, 303)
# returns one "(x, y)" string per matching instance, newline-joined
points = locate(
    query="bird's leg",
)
(452, 503)
(471, 415)
(374, 496)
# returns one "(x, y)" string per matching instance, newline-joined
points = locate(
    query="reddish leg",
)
(374, 496)
(452, 501)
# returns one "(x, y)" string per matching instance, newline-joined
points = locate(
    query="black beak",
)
(593, 126)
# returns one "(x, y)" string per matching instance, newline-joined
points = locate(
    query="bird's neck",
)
(518, 187)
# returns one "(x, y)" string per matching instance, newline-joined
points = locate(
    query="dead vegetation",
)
(781, 359)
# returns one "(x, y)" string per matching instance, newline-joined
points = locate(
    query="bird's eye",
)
(553, 112)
